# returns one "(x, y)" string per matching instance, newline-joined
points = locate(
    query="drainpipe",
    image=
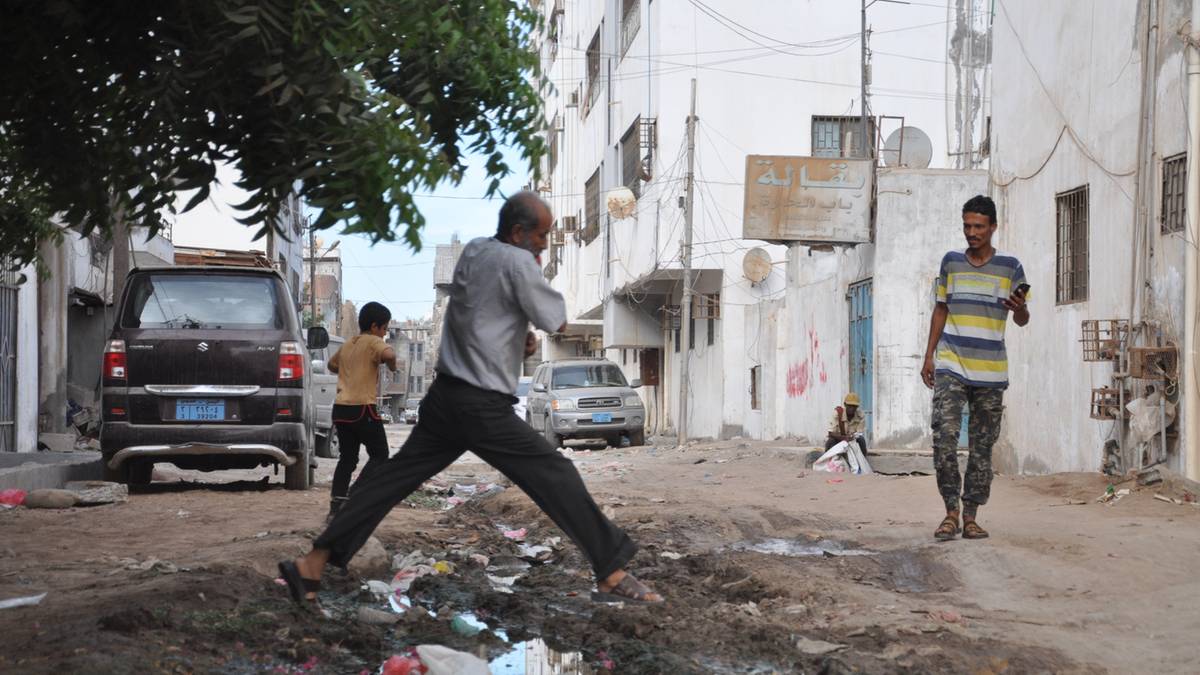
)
(1191, 414)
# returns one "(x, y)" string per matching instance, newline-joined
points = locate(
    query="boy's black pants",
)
(357, 425)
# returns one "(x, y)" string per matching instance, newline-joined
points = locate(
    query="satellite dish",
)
(621, 202)
(907, 147)
(756, 265)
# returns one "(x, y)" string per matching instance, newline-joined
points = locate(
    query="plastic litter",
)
(843, 458)
(464, 625)
(670, 555)
(404, 664)
(11, 498)
(439, 660)
(1112, 495)
(516, 535)
(27, 601)
(443, 567)
(410, 568)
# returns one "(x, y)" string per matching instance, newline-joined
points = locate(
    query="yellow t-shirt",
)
(357, 364)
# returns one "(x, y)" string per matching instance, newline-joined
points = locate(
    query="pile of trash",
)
(434, 660)
(74, 493)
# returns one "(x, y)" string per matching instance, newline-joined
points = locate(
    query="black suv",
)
(206, 369)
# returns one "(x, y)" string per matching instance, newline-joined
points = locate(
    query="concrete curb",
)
(37, 470)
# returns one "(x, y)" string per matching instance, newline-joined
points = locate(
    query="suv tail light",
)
(291, 362)
(114, 360)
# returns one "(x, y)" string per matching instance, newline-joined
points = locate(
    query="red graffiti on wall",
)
(800, 376)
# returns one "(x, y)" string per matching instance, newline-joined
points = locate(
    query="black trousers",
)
(356, 425)
(862, 443)
(454, 417)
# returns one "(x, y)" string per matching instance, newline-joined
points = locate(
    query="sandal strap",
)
(973, 527)
(630, 587)
(949, 523)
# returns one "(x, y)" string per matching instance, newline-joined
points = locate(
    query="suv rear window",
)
(202, 301)
(579, 377)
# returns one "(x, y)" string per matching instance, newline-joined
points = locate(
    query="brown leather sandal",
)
(972, 530)
(948, 529)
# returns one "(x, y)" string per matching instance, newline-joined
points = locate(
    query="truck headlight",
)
(633, 401)
(562, 404)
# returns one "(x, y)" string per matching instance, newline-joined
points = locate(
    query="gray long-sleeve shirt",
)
(498, 290)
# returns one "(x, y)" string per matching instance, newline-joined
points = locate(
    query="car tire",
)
(298, 476)
(637, 437)
(328, 445)
(140, 473)
(552, 437)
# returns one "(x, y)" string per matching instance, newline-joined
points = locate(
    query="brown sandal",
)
(972, 530)
(628, 589)
(948, 529)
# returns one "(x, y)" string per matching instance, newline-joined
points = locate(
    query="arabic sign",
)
(808, 199)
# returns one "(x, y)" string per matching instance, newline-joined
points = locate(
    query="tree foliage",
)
(120, 107)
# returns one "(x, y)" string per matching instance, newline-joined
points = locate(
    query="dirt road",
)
(768, 567)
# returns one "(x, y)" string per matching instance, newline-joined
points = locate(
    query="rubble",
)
(371, 560)
(51, 499)
(97, 492)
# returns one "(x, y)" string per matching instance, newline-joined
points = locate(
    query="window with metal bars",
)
(1071, 269)
(755, 381)
(631, 21)
(631, 157)
(552, 146)
(1174, 197)
(593, 68)
(836, 136)
(591, 198)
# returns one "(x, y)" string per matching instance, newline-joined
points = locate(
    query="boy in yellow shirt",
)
(355, 416)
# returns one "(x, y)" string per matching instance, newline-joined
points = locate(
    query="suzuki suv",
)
(585, 398)
(207, 368)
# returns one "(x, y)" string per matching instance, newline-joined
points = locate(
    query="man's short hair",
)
(520, 210)
(373, 314)
(983, 205)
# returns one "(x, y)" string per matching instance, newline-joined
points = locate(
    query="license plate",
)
(601, 418)
(199, 410)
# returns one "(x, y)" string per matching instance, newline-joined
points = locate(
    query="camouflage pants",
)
(986, 407)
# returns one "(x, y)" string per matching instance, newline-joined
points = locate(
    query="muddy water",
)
(794, 548)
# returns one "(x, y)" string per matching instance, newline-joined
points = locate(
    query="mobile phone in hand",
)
(1023, 290)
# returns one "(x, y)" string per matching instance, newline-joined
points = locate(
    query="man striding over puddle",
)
(498, 290)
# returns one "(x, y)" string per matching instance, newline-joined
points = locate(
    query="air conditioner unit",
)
(573, 99)
(558, 237)
(570, 224)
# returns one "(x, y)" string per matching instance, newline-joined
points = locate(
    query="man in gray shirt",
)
(498, 290)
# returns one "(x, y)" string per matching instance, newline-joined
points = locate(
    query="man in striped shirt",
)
(966, 363)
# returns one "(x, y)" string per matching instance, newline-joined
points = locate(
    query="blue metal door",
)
(862, 353)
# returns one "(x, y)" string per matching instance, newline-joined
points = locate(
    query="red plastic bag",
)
(12, 497)
(404, 664)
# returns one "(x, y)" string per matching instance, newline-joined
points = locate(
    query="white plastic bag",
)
(834, 460)
(441, 660)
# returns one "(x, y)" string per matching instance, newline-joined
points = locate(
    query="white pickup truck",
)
(324, 384)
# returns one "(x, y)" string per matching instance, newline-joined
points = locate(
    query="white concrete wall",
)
(1088, 57)
(27, 362)
(919, 219)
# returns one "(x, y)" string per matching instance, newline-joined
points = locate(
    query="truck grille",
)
(597, 403)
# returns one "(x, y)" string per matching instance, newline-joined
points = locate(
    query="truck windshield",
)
(599, 375)
(202, 301)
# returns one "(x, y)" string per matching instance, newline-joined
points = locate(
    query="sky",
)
(390, 273)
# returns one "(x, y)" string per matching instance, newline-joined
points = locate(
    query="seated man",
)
(848, 425)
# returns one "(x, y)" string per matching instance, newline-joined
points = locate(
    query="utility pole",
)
(312, 277)
(685, 327)
(862, 119)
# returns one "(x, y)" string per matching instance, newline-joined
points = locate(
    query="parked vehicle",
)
(585, 398)
(522, 396)
(206, 369)
(412, 408)
(324, 384)
(385, 417)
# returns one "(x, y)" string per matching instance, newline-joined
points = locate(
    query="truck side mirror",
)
(636, 384)
(539, 388)
(318, 337)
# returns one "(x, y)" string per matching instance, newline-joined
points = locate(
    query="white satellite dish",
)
(756, 265)
(907, 147)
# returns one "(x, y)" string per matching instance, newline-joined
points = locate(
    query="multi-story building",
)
(771, 78)
(328, 279)
(1090, 159)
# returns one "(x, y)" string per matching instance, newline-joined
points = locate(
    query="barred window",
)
(1174, 197)
(591, 197)
(631, 157)
(1072, 245)
(830, 135)
(631, 21)
(593, 68)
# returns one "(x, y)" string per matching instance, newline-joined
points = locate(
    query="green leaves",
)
(121, 107)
